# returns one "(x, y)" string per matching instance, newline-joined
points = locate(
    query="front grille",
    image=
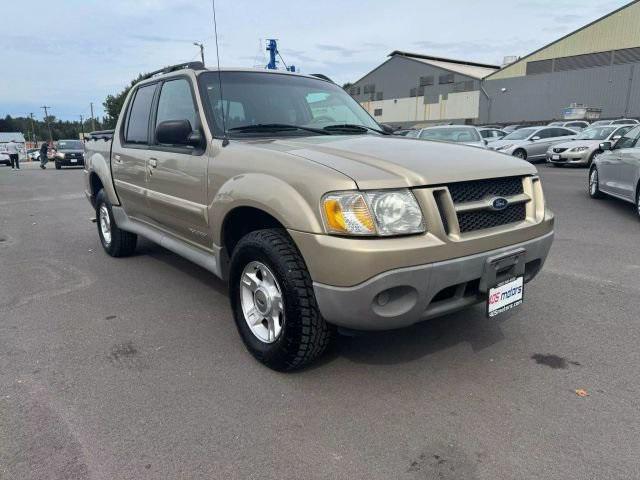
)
(69, 156)
(481, 219)
(559, 150)
(479, 189)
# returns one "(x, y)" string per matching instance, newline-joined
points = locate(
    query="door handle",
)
(153, 162)
(117, 158)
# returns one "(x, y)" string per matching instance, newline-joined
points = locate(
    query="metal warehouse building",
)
(596, 66)
(410, 89)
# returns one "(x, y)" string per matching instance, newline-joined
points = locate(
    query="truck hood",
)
(392, 162)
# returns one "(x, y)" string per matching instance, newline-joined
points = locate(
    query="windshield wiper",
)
(350, 127)
(275, 127)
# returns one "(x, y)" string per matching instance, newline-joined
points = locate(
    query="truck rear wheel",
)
(273, 302)
(115, 242)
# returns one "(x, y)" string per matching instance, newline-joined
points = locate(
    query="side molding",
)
(196, 255)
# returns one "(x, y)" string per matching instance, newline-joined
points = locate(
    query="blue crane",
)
(272, 48)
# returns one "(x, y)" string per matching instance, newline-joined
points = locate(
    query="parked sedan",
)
(577, 125)
(619, 121)
(454, 134)
(491, 134)
(4, 159)
(585, 147)
(532, 143)
(617, 171)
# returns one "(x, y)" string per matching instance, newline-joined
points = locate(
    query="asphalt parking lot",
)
(132, 368)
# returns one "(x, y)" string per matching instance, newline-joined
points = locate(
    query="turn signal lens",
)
(348, 214)
(373, 212)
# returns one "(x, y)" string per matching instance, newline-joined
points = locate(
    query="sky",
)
(68, 53)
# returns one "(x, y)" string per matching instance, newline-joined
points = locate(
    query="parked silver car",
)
(617, 171)
(491, 134)
(619, 121)
(532, 143)
(585, 147)
(577, 125)
(453, 134)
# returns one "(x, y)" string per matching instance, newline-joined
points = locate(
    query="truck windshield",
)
(70, 145)
(270, 99)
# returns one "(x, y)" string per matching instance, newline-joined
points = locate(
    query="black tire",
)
(305, 335)
(58, 166)
(520, 153)
(122, 243)
(638, 201)
(594, 188)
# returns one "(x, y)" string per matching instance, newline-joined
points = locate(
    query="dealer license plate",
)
(505, 296)
(555, 157)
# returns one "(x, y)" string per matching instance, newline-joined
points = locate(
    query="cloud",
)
(347, 52)
(159, 39)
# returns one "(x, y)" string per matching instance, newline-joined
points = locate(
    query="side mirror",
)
(174, 132)
(604, 146)
(533, 139)
(485, 142)
(387, 128)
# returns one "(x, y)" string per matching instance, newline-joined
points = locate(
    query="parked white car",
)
(463, 134)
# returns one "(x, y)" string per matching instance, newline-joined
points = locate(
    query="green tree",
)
(113, 104)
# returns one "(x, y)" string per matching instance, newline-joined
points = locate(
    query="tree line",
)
(37, 130)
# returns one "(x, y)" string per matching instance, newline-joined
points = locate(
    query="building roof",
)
(463, 67)
(526, 58)
(6, 137)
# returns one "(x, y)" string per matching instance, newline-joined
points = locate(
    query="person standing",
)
(14, 154)
(43, 155)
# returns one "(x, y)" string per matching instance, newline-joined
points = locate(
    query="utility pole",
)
(82, 126)
(93, 120)
(46, 119)
(197, 44)
(33, 131)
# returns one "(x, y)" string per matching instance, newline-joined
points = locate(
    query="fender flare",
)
(101, 167)
(269, 194)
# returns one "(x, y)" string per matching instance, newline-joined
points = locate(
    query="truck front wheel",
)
(115, 242)
(273, 302)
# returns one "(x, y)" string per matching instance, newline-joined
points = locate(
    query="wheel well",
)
(96, 184)
(243, 220)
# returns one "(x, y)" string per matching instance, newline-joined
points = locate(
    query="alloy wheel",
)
(593, 182)
(261, 301)
(105, 224)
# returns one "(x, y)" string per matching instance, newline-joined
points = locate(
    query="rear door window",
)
(137, 128)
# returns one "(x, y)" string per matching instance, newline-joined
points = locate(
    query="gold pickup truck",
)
(318, 218)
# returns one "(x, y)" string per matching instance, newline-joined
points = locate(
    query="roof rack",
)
(174, 68)
(322, 77)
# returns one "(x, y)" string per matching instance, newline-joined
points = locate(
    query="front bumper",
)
(66, 162)
(571, 158)
(404, 296)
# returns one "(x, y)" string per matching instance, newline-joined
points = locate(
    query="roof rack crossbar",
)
(174, 68)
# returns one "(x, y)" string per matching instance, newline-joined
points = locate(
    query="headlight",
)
(381, 212)
(579, 149)
(59, 155)
(505, 147)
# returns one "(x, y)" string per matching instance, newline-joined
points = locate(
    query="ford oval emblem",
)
(499, 203)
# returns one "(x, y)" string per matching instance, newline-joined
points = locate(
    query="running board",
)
(208, 261)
